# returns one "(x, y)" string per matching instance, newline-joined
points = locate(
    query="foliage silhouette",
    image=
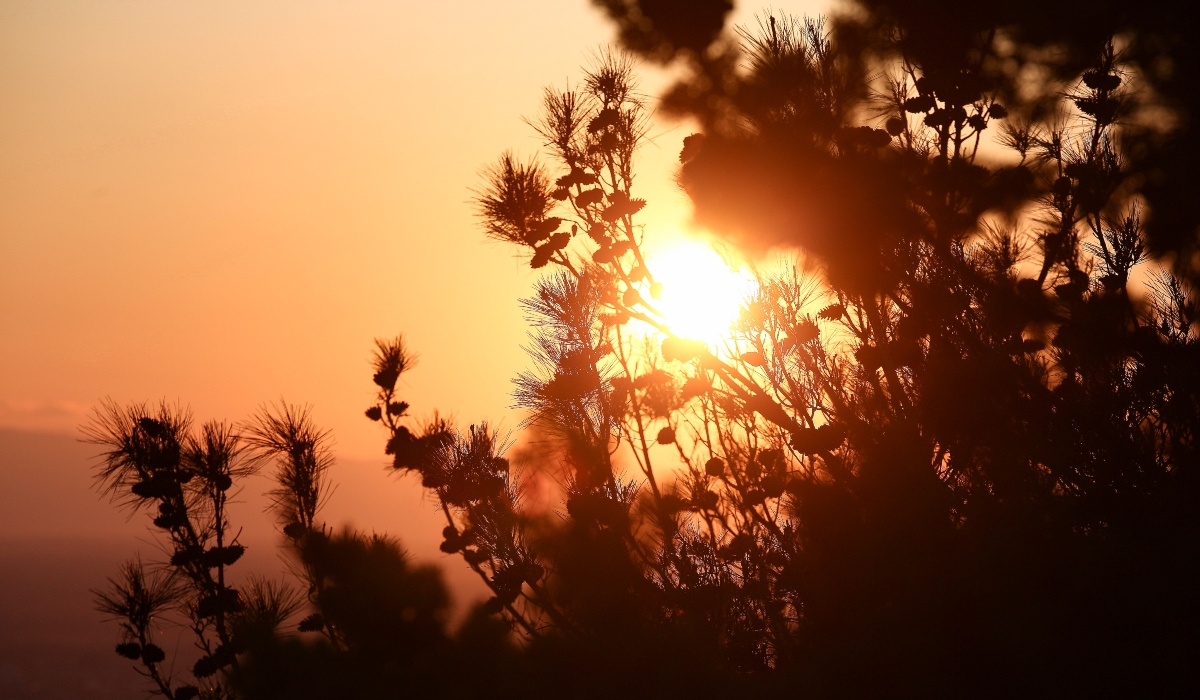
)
(366, 622)
(950, 452)
(955, 451)
(1013, 45)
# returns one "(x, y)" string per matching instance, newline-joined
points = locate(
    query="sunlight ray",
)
(702, 293)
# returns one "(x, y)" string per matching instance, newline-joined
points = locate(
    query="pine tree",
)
(956, 448)
(951, 451)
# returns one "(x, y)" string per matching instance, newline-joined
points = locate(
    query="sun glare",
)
(701, 293)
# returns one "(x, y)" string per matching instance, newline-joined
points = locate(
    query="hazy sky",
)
(222, 203)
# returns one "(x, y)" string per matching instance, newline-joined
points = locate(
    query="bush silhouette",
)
(951, 452)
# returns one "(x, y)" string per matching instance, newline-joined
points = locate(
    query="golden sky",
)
(222, 203)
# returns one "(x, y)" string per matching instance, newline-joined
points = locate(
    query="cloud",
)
(57, 415)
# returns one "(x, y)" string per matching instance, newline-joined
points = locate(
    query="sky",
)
(221, 204)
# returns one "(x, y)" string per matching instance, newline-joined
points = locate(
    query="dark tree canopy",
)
(1000, 40)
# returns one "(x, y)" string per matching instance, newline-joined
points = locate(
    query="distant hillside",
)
(46, 489)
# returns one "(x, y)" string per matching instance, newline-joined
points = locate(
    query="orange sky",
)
(223, 202)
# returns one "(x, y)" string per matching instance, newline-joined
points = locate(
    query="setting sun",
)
(701, 293)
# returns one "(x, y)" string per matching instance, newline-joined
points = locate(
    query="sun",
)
(701, 293)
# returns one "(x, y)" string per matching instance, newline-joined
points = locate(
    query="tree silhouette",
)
(951, 451)
(955, 450)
